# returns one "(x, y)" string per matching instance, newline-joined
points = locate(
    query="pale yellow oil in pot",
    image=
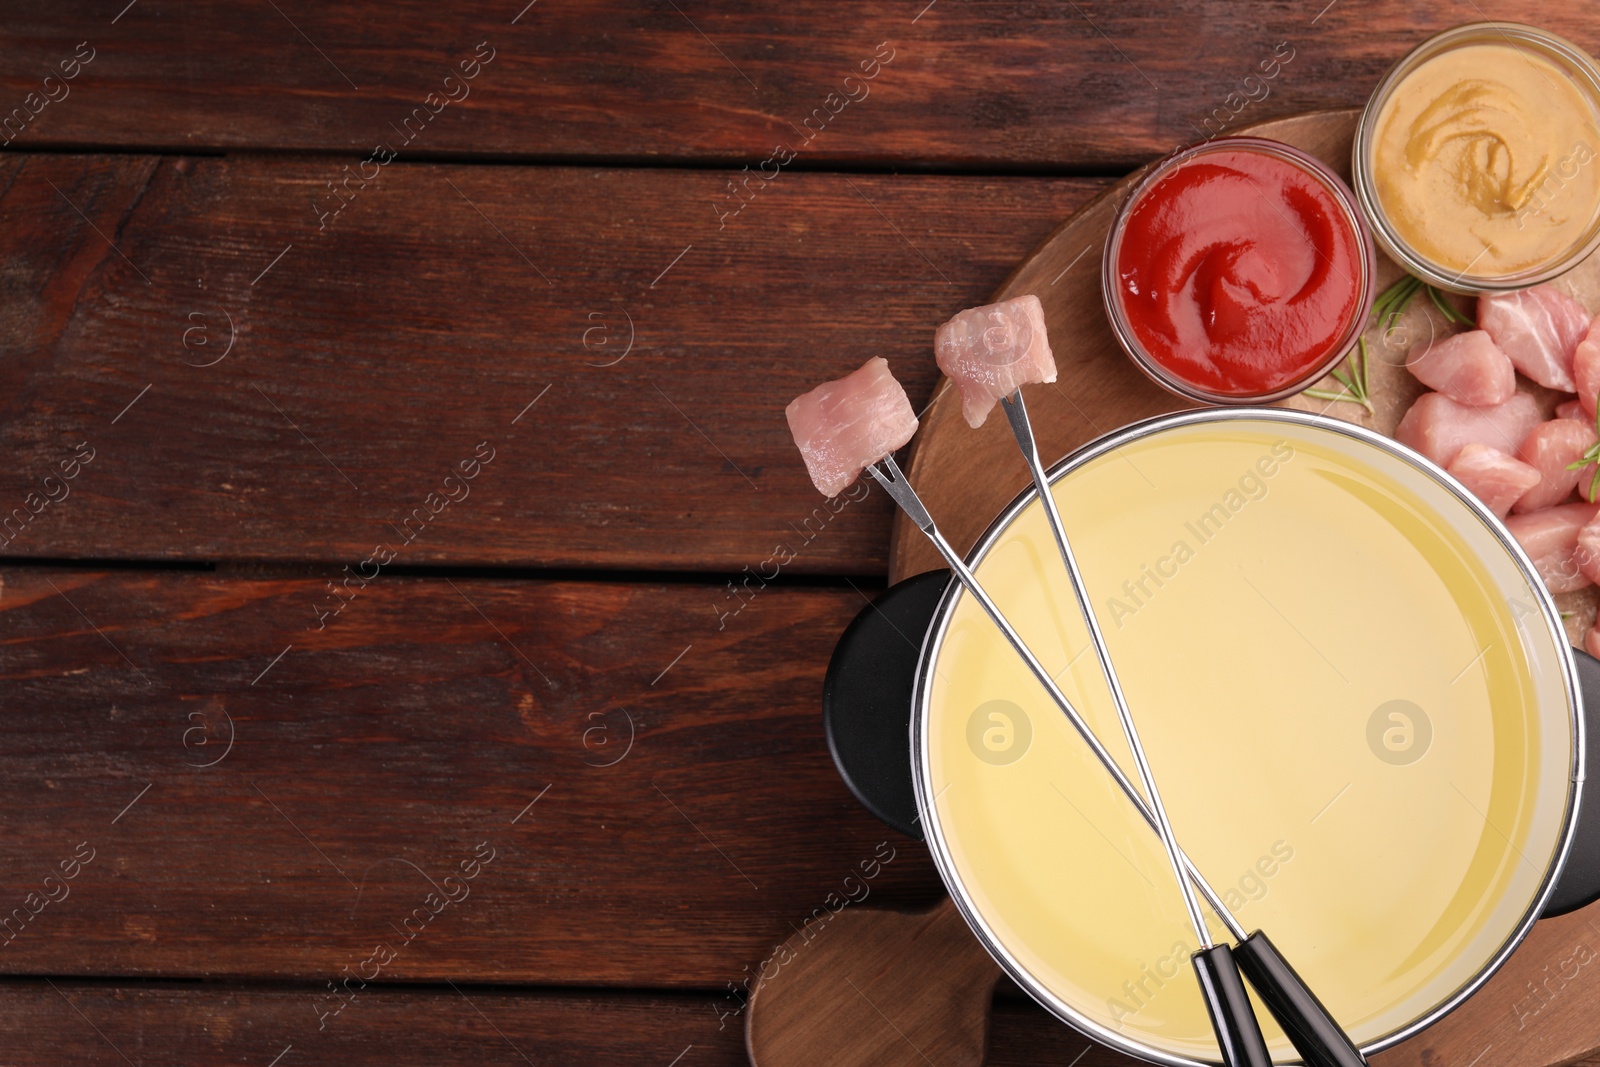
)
(1353, 702)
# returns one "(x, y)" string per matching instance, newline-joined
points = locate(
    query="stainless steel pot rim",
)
(934, 640)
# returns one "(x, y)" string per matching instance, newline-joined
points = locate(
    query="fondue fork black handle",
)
(1234, 1020)
(1314, 1033)
(1318, 1039)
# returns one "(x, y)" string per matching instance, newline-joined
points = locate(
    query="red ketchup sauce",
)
(1239, 272)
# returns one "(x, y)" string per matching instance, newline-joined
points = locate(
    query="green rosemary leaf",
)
(1447, 309)
(1591, 456)
(1357, 382)
(1392, 302)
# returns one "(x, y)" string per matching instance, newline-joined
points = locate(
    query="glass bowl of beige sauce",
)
(1477, 159)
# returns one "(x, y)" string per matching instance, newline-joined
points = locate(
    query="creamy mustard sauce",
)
(1265, 591)
(1484, 160)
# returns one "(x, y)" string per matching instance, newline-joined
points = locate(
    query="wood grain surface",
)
(205, 1024)
(684, 810)
(370, 359)
(638, 231)
(217, 1024)
(1002, 84)
(51, 1022)
(922, 973)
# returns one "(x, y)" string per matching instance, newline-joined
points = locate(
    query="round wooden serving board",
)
(1541, 1010)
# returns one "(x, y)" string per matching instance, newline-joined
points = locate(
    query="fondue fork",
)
(1238, 1032)
(887, 473)
(1313, 1031)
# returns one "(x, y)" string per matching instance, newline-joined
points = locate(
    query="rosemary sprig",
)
(1447, 309)
(1357, 382)
(1591, 456)
(1392, 302)
(1386, 311)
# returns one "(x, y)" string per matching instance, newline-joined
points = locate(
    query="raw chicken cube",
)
(1586, 367)
(1573, 409)
(1588, 555)
(1539, 329)
(843, 426)
(1438, 427)
(1550, 448)
(1466, 367)
(1493, 477)
(989, 351)
(1550, 537)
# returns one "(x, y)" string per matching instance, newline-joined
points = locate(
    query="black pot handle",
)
(866, 711)
(1580, 878)
(867, 697)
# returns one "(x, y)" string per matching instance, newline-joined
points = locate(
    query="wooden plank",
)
(421, 329)
(1092, 84)
(202, 1025)
(54, 223)
(95, 1024)
(427, 725)
(71, 1022)
(928, 976)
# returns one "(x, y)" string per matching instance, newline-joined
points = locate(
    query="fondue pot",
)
(1356, 692)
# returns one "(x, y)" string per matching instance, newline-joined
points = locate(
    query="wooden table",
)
(394, 670)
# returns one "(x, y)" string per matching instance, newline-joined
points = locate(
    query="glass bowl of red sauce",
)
(1238, 271)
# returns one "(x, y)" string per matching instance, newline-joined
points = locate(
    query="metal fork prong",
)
(897, 486)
